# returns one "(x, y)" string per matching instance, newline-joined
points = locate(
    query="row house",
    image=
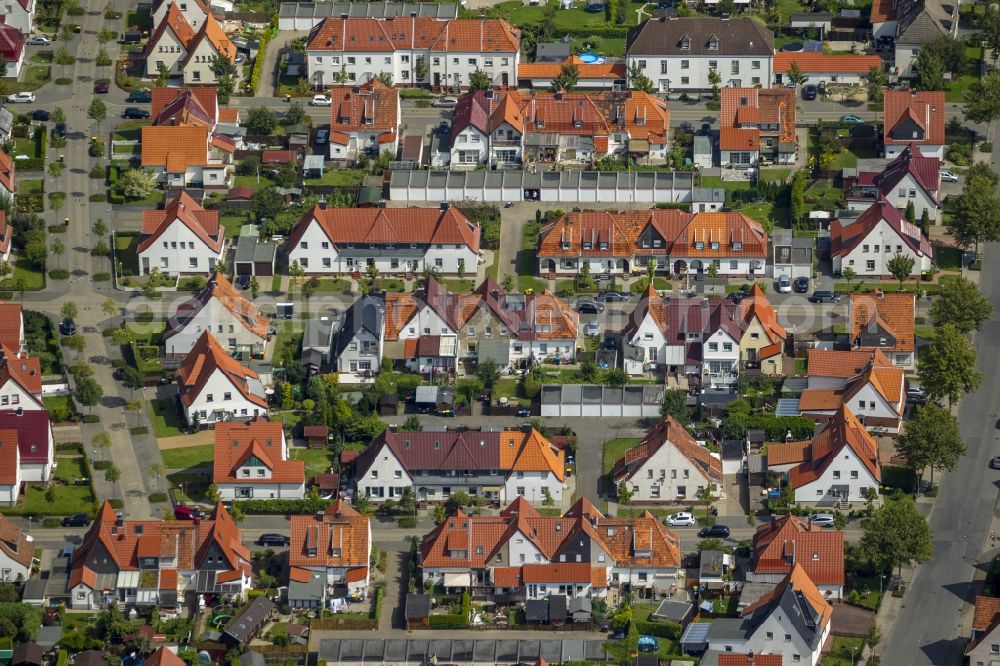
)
(185, 50)
(757, 125)
(397, 241)
(183, 238)
(669, 466)
(214, 387)
(364, 121)
(914, 118)
(865, 380)
(786, 541)
(329, 556)
(867, 244)
(839, 69)
(251, 462)
(677, 54)
(507, 128)
(834, 469)
(499, 466)
(884, 321)
(358, 343)
(412, 50)
(157, 562)
(17, 550)
(909, 178)
(478, 553)
(218, 307)
(683, 243)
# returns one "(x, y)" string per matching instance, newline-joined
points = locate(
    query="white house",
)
(914, 118)
(677, 54)
(358, 342)
(209, 42)
(20, 380)
(569, 579)
(793, 620)
(184, 49)
(413, 50)
(839, 69)
(10, 468)
(917, 22)
(182, 238)
(193, 11)
(219, 308)
(214, 387)
(908, 179)
(183, 156)
(17, 550)
(870, 242)
(866, 381)
(251, 462)
(8, 186)
(34, 439)
(19, 14)
(169, 43)
(669, 466)
(411, 315)
(334, 241)
(784, 542)
(336, 544)
(884, 321)
(12, 42)
(984, 643)
(364, 119)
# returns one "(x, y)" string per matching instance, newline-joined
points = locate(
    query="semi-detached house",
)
(787, 541)
(864, 380)
(412, 50)
(499, 466)
(251, 462)
(328, 550)
(880, 234)
(184, 50)
(910, 178)
(884, 321)
(214, 387)
(365, 120)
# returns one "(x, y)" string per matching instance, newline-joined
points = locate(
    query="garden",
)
(168, 421)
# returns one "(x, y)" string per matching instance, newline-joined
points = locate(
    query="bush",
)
(377, 608)
(895, 476)
(407, 522)
(101, 277)
(51, 523)
(98, 172)
(31, 164)
(64, 81)
(139, 430)
(158, 497)
(116, 198)
(986, 147)
(116, 504)
(91, 418)
(98, 198)
(959, 153)
(101, 464)
(669, 630)
(304, 506)
(59, 274)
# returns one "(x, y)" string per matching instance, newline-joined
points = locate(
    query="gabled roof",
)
(668, 432)
(163, 657)
(845, 238)
(921, 21)
(235, 443)
(472, 110)
(745, 110)
(987, 612)
(11, 324)
(678, 317)
(222, 290)
(212, 33)
(731, 37)
(801, 604)
(184, 210)
(891, 312)
(925, 108)
(336, 538)
(759, 308)
(205, 359)
(841, 433)
(175, 22)
(174, 149)
(7, 172)
(844, 364)
(789, 540)
(400, 308)
(25, 370)
(370, 107)
(33, 430)
(366, 314)
(364, 35)
(10, 458)
(886, 381)
(390, 225)
(185, 106)
(11, 43)
(824, 63)
(925, 171)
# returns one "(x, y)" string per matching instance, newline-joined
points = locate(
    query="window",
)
(713, 64)
(796, 658)
(733, 265)
(374, 473)
(713, 346)
(685, 80)
(439, 263)
(642, 64)
(663, 67)
(734, 67)
(727, 346)
(755, 64)
(861, 404)
(208, 398)
(770, 635)
(227, 396)
(854, 474)
(836, 474)
(864, 248)
(685, 64)
(819, 493)
(788, 638)
(869, 265)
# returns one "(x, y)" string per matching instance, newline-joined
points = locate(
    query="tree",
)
(254, 287)
(385, 78)
(949, 51)
(309, 288)
(795, 75)
(58, 115)
(982, 100)
(961, 305)
(568, 77)
(20, 285)
(925, 222)
(624, 494)
(213, 494)
(897, 534)
(68, 310)
(58, 248)
(223, 66)
(976, 217)
(296, 273)
(989, 26)
(260, 121)
(675, 405)
(488, 373)
(848, 274)
(156, 469)
(931, 439)
(132, 380)
(113, 474)
(162, 74)
(420, 68)
(411, 424)
(101, 441)
(715, 79)
(98, 112)
(507, 284)
(637, 80)
(911, 212)
(408, 502)
(88, 392)
(295, 114)
(266, 204)
(136, 183)
(875, 82)
(947, 367)
(797, 201)
(109, 307)
(616, 377)
(121, 337)
(900, 267)
(50, 493)
(76, 342)
(64, 57)
(929, 70)
(102, 59)
(56, 169)
(480, 80)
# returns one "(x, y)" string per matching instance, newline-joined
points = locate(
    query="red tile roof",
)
(745, 110)
(926, 171)
(668, 431)
(11, 325)
(822, 63)
(15, 542)
(212, 33)
(337, 538)
(33, 433)
(842, 432)
(164, 657)
(371, 107)
(201, 363)
(845, 238)
(564, 572)
(185, 106)
(890, 312)
(844, 364)
(222, 290)
(987, 612)
(7, 173)
(735, 659)
(365, 35)
(21, 368)
(759, 308)
(924, 109)
(175, 22)
(550, 70)
(788, 540)
(883, 10)
(6, 233)
(185, 210)
(174, 149)
(11, 43)
(235, 443)
(10, 458)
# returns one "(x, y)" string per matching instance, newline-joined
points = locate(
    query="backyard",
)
(317, 461)
(166, 417)
(127, 253)
(843, 652)
(188, 456)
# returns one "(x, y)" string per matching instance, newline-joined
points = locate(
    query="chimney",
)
(119, 519)
(793, 552)
(381, 203)
(322, 204)
(559, 95)
(704, 304)
(444, 206)
(20, 411)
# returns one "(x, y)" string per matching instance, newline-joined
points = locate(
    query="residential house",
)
(677, 54)
(336, 544)
(251, 462)
(600, 75)
(35, 442)
(984, 645)
(359, 342)
(19, 14)
(552, 581)
(881, 233)
(787, 541)
(10, 468)
(12, 49)
(164, 657)
(183, 238)
(757, 124)
(914, 118)
(20, 380)
(8, 186)
(12, 326)
(6, 237)
(669, 466)
(17, 550)
(413, 50)
(214, 387)
(397, 241)
(836, 468)
(186, 106)
(186, 156)
(500, 466)
(430, 311)
(865, 380)
(210, 42)
(364, 120)
(762, 344)
(157, 562)
(908, 179)
(840, 69)
(193, 11)
(185, 50)
(682, 243)
(793, 620)
(466, 552)
(219, 308)
(884, 321)
(909, 25)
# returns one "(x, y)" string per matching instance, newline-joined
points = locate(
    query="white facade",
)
(193, 12)
(521, 550)
(18, 16)
(906, 191)
(846, 471)
(179, 250)
(385, 479)
(735, 266)
(13, 395)
(363, 353)
(219, 320)
(425, 321)
(873, 254)
(443, 69)
(893, 150)
(209, 175)
(775, 635)
(242, 491)
(570, 590)
(220, 400)
(720, 359)
(9, 494)
(168, 51)
(198, 68)
(668, 476)
(689, 73)
(531, 486)
(469, 148)
(650, 338)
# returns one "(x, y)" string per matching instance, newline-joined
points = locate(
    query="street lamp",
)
(854, 652)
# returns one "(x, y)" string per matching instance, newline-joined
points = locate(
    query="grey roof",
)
(752, 591)
(552, 51)
(426, 394)
(702, 145)
(536, 610)
(920, 21)
(6, 120)
(810, 18)
(583, 180)
(672, 611)
(787, 407)
(248, 622)
(724, 629)
(794, 385)
(90, 658)
(313, 162)
(580, 605)
(557, 608)
(367, 313)
(317, 334)
(252, 659)
(309, 591)
(47, 637)
(734, 37)
(253, 249)
(792, 605)
(418, 606)
(438, 10)
(696, 634)
(34, 590)
(708, 195)
(230, 129)
(732, 449)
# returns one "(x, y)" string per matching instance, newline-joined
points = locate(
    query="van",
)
(130, 37)
(822, 519)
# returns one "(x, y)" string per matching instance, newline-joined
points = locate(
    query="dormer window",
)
(685, 43)
(566, 246)
(604, 245)
(737, 245)
(335, 552)
(540, 122)
(715, 245)
(699, 245)
(713, 44)
(587, 245)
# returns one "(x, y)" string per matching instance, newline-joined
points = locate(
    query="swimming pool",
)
(591, 58)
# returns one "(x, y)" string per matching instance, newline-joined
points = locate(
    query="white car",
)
(38, 41)
(320, 100)
(593, 328)
(21, 98)
(949, 176)
(682, 519)
(784, 285)
(445, 102)
(822, 519)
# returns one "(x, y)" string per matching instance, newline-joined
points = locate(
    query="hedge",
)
(42, 145)
(448, 622)
(407, 522)
(377, 608)
(291, 506)
(670, 630)
(258, 64)
(59, 274)
(31, 164)
(63, 658)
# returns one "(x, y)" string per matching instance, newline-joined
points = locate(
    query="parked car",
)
(59, 130)
(802, 285)
(524, 412)
(135, 113)
(994, 463)
(139, 97)
(914, 393)
(101, 88)
(589, 307)
(948, 176)
(118, 374)
(822, 519)
(320, 100)
(130, 37)
(40, 115)
(445, 102)
(76, 520)
(784, 285)
(809, 92)
(322, 137)
(714, 532)
(823, 296)
(850, 118)
(21, 98)
(67, 326)
(681, 519)
(593, 328)
(614, 297)
(279, 540)
(38, 40)
(738, 296)
(182, 512)
(443, 128)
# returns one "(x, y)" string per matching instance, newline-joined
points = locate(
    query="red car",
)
(182, 512)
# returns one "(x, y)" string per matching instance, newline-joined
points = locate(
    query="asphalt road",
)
(928, 629)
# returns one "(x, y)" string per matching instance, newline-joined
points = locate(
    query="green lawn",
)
(130, 130)
(288, 342)
(127, 253)
(232, 224)
(166, 417)
(139, 19)
(60, 407)
(925, 332)
(948, 258)
(251, 182)
(318, 461)
(147, 332)
(68, 500)
(332, 285)
(69, 469)
(189, 487)
(615, 449)
(27, 147)
(188, 456)
(338, 178)
(458, 286)
(34, 279)
(32, 78)
(30, 186)
(843, 651)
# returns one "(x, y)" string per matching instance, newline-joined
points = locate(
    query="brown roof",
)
(11, 320)
(223, 291)
(10, 458)
(23, 369)
(14, 541)
(204, 359)
(844, 364)
(987, 612)
(164, 657)
(264, 440)
(564, 572)
(784, 453)
(788, 540)
(668, 431)
(184, 106)
(339, 537)
(745, 112)
(822, 63)
(366, 35)
(891, 312)
(842, 431)
(7, 172)
(183, 209)
(925, 108)
(174, 148)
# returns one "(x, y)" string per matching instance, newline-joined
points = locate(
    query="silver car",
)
(593, 328)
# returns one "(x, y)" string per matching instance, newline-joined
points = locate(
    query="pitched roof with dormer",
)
(746, 111)
(185, 106)
(842, 433)
(184, 210)
(845, 238)
(259, 442)
(205, 359)
(914, 111)
(668, 432)
(800, 603)
(14, 541)
(363, 35)
(223, 292)
(22, 369)
(371, 107)
(788, 540)
(890, 312)
(339, 537)
(885, 379)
